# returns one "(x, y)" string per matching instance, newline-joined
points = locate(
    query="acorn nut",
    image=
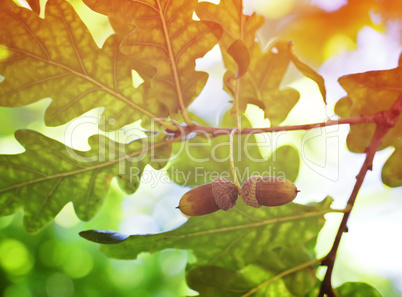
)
(221, 193)
(268, 190)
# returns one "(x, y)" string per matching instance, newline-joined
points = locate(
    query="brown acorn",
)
(221, 193)
(268, 191)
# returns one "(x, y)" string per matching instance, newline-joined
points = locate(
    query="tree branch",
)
(215, 131)
(385, 120)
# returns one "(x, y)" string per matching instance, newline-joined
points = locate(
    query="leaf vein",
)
(38, 41)
(101, 165)
(70, 35)
(92, 80)
(72, 102)
(145, 3)
(89, 191)
(188, 44)
(251, 225)
(47, 197)
(34, 83)
(133, 43)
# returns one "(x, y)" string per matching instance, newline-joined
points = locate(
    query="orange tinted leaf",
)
(236, 25)
(57, 57)
(35, 5)
(239, 52)
(312, 29)
(239, 32)
(309, 72)
(317, 33)
(369, 93)
(260, 85)
(391, 172)
(169, 39)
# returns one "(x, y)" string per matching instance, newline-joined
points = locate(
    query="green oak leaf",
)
(211, 281)
(166, 37)
(357, 289)
(200, 159)
(217, 281)
(287, 257)
(238, 237)
(57, 57)
(48, 175)
(368, 93)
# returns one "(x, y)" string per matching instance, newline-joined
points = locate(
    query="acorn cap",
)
(225, 193)
(221, 193)
(248, 191)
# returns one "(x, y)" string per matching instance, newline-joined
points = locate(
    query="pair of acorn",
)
(221, 193)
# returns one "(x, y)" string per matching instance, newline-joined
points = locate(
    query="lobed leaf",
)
(283, 258)
(48, 175)
(57, 57)
(238, 237)
(217, 281)
(253, 76)
(369, 93)
(166, 37)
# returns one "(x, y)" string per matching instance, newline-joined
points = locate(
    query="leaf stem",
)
(281, 275)
(385, 121)
(232, 166)
(173, 67)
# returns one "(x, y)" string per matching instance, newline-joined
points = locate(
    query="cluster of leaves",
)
(57, 57)
(63, 62)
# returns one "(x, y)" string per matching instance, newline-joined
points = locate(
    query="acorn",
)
(268, 191)
(221, 193)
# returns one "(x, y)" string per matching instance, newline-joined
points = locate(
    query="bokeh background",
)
(336, 38)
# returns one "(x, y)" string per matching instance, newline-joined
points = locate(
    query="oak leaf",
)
(166, 37)
(238, 237)
(48, 175)
(57, 57)
(368, 93)
(254, 76)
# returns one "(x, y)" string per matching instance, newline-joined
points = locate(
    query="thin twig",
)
(214, 131)
(385, 121)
